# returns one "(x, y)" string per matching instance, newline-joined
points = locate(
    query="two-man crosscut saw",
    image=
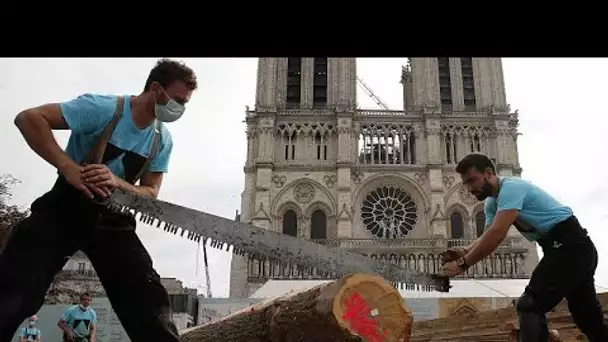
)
(263, 244)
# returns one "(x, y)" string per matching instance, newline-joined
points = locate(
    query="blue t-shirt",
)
(80, 321)
(30, 334)
(129, 146)
(538, 211)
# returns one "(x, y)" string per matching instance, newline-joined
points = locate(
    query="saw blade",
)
(265, 244)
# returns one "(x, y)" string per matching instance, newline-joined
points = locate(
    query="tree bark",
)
(358, 307)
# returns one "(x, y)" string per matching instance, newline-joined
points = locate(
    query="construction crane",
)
(371, 94)
(208, 287)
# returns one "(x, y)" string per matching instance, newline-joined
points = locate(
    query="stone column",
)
(438, 225)
(456, 82)
(433, 132)
(344, 163)
(501, 142)
(332, 81)
(307, 85)
(425, 78)
(266, 83)
(346, 82)
(281, 82)
(266, 138)
(498, 84)
(422, 150)
(483, 86)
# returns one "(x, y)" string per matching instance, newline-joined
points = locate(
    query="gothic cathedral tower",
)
(378, 182)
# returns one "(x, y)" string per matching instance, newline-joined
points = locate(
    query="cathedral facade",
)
(380, 182)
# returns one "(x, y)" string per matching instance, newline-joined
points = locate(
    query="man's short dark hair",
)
(478, 161)
(84, 294)
(167, 71)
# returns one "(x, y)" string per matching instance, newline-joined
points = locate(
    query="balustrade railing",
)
(414, 254)
(374, 112)
(509, 242)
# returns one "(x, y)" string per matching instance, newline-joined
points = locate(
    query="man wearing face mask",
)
(79, 322)
(116, 142)
(569, 260)
(30, 332)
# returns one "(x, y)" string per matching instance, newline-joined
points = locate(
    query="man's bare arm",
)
(93, 330)
(37, 125)
(472, 245)
(491, 239)
(149, 184)
(61, 324)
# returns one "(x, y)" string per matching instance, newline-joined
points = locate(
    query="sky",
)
(562, 119)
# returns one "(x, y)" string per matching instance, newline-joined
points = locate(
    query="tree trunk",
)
(358, 307)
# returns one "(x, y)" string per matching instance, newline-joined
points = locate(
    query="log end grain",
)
(371, 308)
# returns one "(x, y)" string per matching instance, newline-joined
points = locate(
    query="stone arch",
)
(455, 210)
(329, 219)
(455, 195)
(410, 227)
(280, 215)
(318, 225)
(286, 193)
(478, 220)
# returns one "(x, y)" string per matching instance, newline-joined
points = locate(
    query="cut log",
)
(358, 307)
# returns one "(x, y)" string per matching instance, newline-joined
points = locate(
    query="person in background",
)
(78, 322)
(30, 332)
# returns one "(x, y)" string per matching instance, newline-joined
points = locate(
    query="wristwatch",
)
(462, 263)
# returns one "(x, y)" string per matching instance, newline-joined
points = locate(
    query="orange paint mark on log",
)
(357, 313)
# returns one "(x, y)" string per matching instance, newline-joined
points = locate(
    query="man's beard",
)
(485, 192)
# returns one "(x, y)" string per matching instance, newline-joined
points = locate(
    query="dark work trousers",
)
(566, 271)
(63, 221)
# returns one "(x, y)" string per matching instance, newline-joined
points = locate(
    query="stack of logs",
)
(496, 325)
(358, 307)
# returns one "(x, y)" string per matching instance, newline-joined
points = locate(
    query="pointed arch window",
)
(480, 223)
(318, 225)
(456, 225)
(290, 223)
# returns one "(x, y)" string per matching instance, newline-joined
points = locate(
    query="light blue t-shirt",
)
(80, 321)
(128, 148)
(538, 211)
(30, 334)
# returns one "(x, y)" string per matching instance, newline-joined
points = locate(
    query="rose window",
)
(389, 213)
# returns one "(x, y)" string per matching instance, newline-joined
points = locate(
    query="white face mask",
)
(169, 112)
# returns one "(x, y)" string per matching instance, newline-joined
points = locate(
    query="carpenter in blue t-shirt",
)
(80, 319)
(538, 211)
(30, 332)
(128, 148)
